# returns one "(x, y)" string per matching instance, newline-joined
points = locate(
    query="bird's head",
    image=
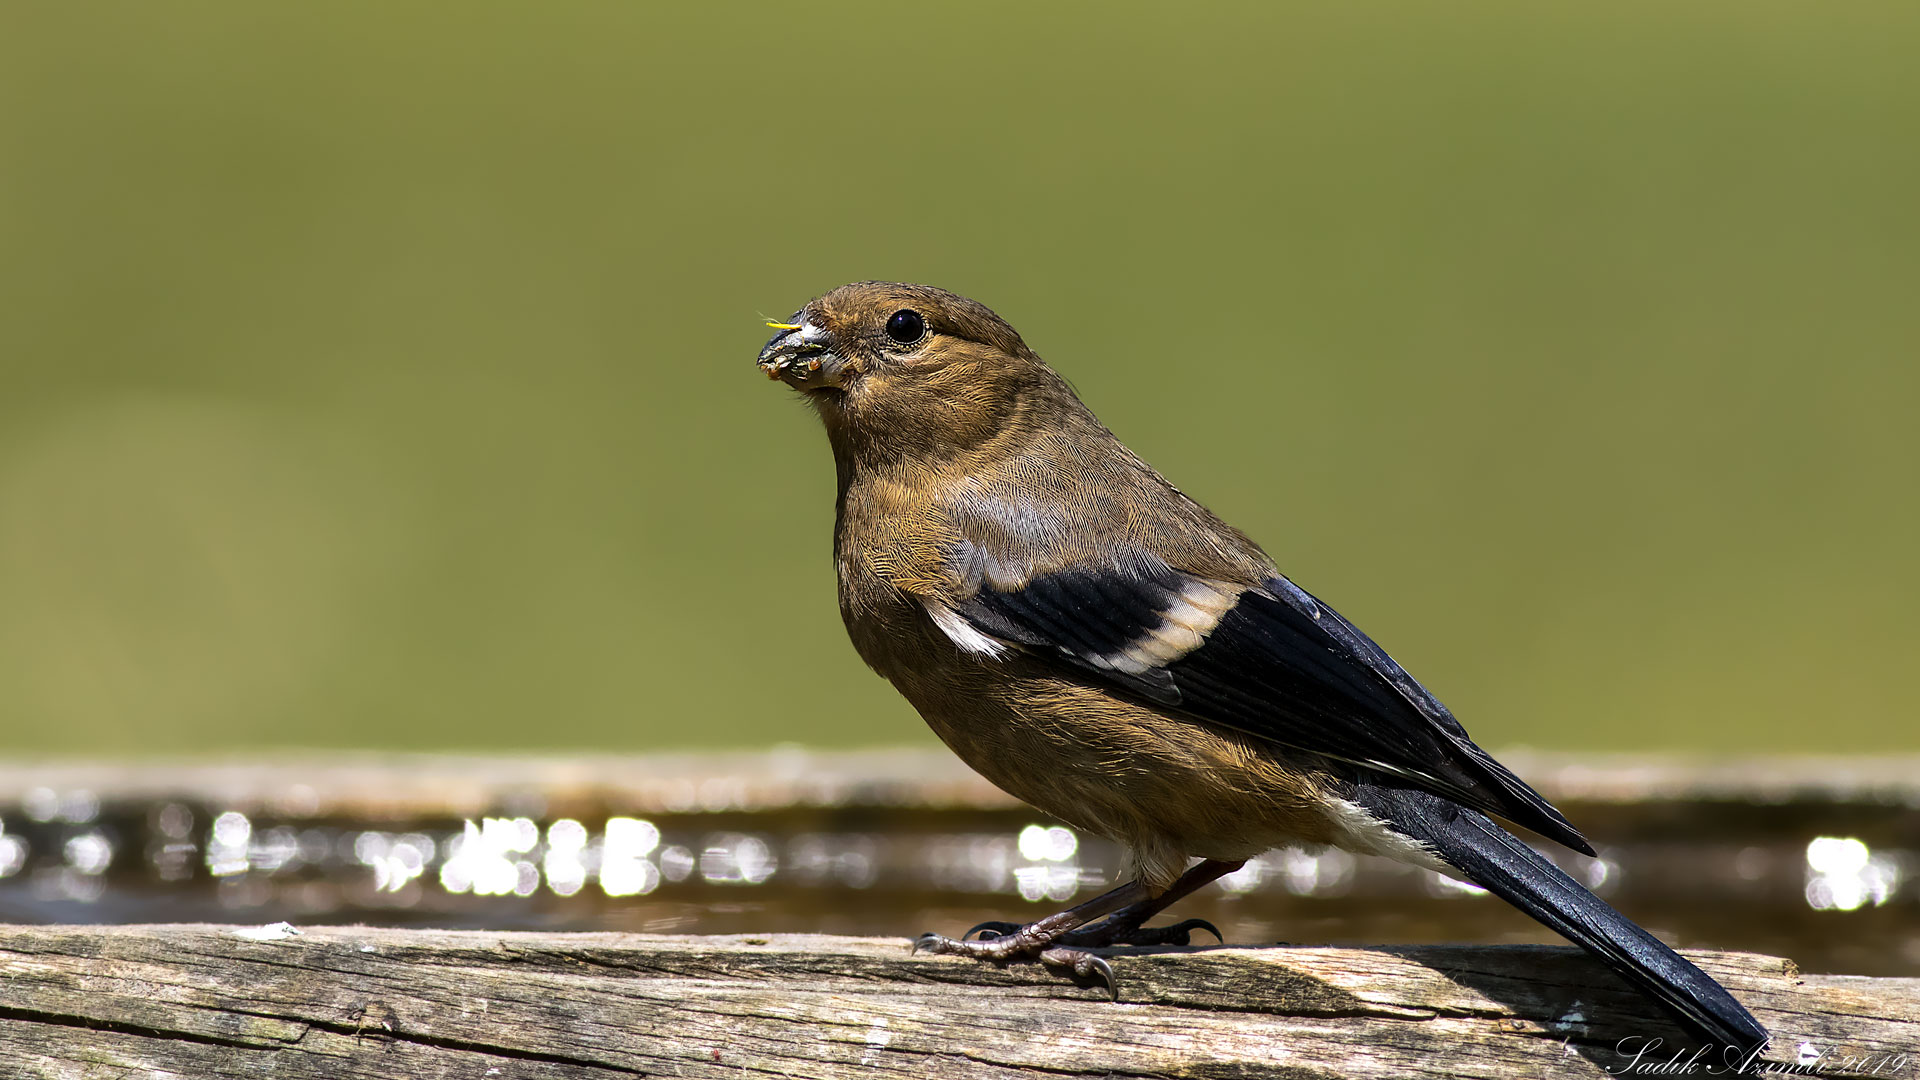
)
(915, 366)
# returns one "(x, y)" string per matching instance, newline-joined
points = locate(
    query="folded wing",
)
(1271, 661)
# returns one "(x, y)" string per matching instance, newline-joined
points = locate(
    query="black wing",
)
(1277, 663)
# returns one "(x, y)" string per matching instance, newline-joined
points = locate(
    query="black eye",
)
(906, 326)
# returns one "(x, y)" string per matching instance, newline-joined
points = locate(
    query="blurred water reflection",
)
(64, 856)
(1843, 873)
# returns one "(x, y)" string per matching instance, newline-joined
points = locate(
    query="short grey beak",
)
(799, 352)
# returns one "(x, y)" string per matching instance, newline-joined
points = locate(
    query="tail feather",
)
(1502, 864)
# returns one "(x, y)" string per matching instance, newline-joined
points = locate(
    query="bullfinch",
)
(1099, 645)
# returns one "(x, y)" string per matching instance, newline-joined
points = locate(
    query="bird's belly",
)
(1167, 788)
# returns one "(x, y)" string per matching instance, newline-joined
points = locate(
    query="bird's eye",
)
(906, 326)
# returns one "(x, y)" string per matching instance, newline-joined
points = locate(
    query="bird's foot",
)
(1115, 929)
(1045, 939)
(1014, 942)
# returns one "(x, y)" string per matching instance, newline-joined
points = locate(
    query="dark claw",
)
(929, 942)
(1085, 965)
(1186, 928)
(997, 928)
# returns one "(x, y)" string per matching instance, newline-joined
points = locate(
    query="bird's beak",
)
(800, 354)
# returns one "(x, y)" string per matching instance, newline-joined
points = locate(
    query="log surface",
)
(269, 1002)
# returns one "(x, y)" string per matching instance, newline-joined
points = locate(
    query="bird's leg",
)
(1124, 927)
(1038, 938)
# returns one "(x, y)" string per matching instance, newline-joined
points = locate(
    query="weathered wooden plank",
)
(208, 1001)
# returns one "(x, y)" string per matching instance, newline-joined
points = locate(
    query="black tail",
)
(1501, 863)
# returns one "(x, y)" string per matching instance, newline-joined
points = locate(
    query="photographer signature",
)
(1650, 1056)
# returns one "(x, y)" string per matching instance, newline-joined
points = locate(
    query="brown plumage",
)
(1104, 648)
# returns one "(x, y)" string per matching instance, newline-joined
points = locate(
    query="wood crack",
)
(122, 1027)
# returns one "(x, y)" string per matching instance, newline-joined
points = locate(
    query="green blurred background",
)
(381, 374)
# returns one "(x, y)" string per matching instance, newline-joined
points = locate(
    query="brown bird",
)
(1102, 647)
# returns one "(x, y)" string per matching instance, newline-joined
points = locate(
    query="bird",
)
(1102, 647)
